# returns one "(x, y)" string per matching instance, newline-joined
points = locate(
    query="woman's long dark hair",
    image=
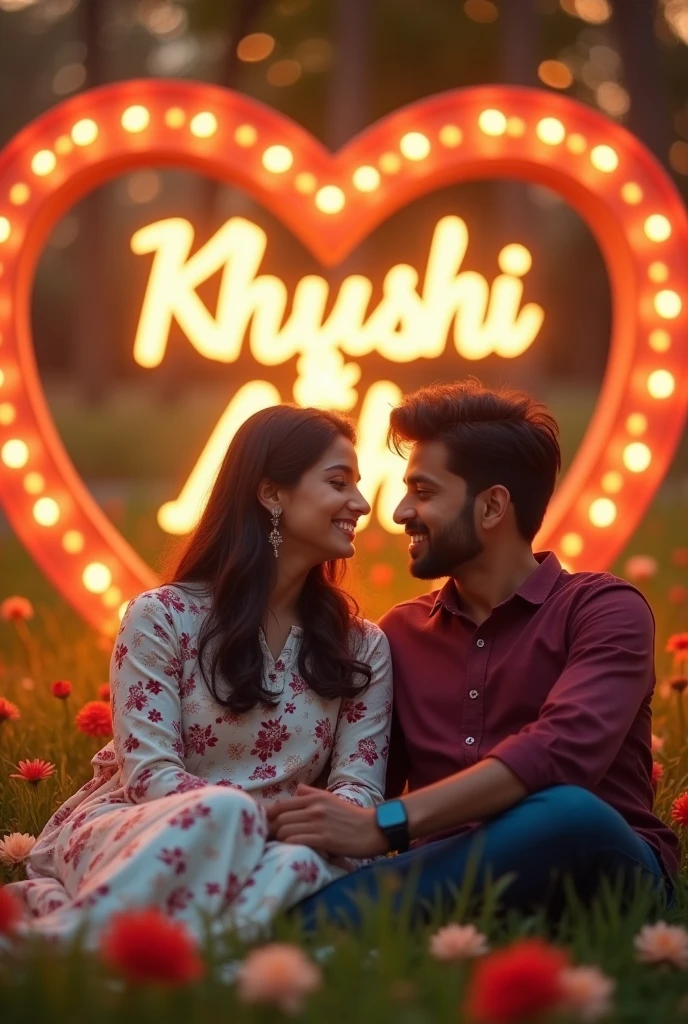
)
(229, 554)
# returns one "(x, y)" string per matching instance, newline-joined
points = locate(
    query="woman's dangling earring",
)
(275, 536)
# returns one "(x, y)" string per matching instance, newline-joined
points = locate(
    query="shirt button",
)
(470, 740)
(473, 694)
(480, 643)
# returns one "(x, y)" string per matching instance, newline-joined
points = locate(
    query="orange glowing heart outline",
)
(605, 173)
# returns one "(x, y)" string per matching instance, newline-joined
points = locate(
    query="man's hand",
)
(327, 823)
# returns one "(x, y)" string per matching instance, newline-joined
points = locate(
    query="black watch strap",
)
(392, 820)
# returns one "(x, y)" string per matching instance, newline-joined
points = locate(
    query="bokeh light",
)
(555, 74)
(255, 47)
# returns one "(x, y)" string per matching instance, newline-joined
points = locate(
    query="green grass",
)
(401, 982)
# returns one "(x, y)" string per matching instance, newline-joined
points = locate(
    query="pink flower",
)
(34, 771)
(587, 992)
(679, 809)
(9, 712)
(61, 689)
(657, 772)
(662, 943)
(278, 974)
(14, 608)
(458, 942)
(15, 848)
(657, 744)
(641, 567)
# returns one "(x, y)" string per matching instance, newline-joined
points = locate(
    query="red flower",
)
(677, 594)
(34, 771)
(104, 692)
(95, 719)
(61, 688)
(8, 710)
(146, 946)
(679, 809)
(10, 911)
(516, 983)
(680, 557)
(678, 644)
(657, 772)
(13, 608)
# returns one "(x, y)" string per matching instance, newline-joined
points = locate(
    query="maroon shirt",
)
(556, 684)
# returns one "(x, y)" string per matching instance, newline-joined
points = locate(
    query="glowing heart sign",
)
(331, 202)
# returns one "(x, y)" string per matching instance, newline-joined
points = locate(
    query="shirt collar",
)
(535, 589)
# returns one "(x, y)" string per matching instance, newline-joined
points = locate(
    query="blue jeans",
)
(561, 831)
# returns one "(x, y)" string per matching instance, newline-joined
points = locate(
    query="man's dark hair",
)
(493, 437)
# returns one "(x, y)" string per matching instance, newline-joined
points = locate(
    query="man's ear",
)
(268, 494)
(496, 503)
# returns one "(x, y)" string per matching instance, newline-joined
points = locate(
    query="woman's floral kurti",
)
(174, 814)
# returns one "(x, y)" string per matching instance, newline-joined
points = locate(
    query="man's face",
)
(437, 514)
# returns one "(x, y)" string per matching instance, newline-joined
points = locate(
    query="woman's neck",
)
(283, 602)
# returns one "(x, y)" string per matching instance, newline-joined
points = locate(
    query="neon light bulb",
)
(46, 511)
(572, 544)
(43, 163)
(277, 159)
(657, 227)
(604, 158)
(135, 119)
(330, 199)
(14, 453)
(414, 145)
(96, 577)
(84, 132)
(73, 542)
(661, 384)
(602, 512)
(492, 122)
(19, 194)
(637, 457)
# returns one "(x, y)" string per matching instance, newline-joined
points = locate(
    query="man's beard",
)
(450, 547)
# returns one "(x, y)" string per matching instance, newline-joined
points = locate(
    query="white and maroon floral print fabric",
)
(174, 814)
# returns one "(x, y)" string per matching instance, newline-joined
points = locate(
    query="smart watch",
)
(392, 820)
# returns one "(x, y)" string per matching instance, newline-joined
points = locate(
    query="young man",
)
(522, 692)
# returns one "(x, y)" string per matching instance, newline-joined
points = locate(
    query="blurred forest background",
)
(334, 66)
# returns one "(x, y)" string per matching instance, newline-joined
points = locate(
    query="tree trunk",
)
(513, 219)
(648, 117)
(93, 333)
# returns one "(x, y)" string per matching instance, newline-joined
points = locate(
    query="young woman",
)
(245, 676)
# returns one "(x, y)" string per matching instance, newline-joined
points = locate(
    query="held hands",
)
(326, 823)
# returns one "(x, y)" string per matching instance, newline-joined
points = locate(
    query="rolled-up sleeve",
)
(609, 673)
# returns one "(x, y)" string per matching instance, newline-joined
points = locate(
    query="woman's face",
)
(320, 514)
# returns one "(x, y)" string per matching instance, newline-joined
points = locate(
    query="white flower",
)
(16, 847)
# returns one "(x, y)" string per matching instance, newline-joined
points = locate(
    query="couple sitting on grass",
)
(263, 761)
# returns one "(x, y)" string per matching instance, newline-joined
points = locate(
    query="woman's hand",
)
(326, 823)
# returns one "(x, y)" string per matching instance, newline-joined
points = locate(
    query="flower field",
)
(598, 964)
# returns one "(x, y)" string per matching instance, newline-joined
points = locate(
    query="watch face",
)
(391, 815)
